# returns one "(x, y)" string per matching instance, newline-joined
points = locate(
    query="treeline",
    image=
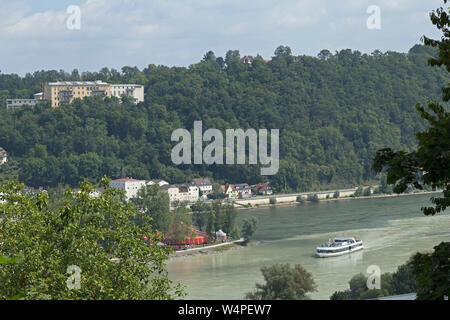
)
(334, 112)
(152, 204)
(402, 281)
(425, 274)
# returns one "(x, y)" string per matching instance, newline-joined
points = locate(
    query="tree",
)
(359, 192)
(235, 233)
(358, 285)
(359, 290)
(209, 56)
(403, 280)
(283, 283)
(249, 227)
(217, 192)
(324, 54)
(210, 229)
(283, 51)
(367, 192)
(341, 295)
(432, 271)
(181, 227)
(94, 235)
(428, 166)
(313, 197)
(230, 218)
(152, 204)
(430, 163)
(200, 214)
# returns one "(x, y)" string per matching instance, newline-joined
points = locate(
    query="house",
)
(13, 104)
(129, 185)
(135, 91)
(263, 188)
(229, 190)
(66, 91)
(204, 185)
(156, 181)
(3, 156)
(244, 190)
(183, 193)
(249, 60)
(94, 194)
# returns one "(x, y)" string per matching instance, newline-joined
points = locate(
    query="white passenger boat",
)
(339, 246)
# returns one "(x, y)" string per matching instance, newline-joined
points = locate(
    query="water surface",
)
(392, 229)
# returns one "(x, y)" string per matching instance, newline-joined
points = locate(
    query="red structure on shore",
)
(200, 238)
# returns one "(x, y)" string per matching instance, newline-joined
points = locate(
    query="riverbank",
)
(265, 202)
(214, 249)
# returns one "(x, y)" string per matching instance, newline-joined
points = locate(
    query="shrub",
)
(313, 197)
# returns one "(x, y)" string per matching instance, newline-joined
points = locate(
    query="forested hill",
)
(333, 112)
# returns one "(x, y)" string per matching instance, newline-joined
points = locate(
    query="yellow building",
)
(64, 92)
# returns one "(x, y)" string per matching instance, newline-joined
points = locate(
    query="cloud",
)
(178, 32)
(298, 13)
(37, 24)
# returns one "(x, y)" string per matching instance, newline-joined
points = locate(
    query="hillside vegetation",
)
(334, 112)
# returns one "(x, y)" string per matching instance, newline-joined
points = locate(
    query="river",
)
(391, 228)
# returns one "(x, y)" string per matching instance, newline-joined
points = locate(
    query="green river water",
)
(391, 228)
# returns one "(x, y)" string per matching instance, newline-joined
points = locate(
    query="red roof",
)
(263, 186)
(202, 182)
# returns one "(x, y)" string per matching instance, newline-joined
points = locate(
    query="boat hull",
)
(330, 253)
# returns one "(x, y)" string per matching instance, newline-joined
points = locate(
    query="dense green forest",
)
(334, 111)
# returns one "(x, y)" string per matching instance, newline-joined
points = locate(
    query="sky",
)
(40, 34)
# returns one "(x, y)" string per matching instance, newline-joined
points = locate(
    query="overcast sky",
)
(114, 33)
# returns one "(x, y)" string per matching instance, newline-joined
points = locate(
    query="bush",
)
(249, 227)
(86, 232)
(341, 295)
(235, 233)
(284, 283)
(359, 192)
(403, 280)
(313, 197)
(431, 271)
(367, 192)
(400, 282)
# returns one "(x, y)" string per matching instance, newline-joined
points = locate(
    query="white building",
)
(135, 91)
(16, 103)
(204, 185)
(39, 96)
(131, 186)
(182, 193)
(3, 156)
